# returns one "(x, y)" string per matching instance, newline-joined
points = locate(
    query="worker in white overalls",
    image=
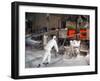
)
(75, 46)
(52, 43)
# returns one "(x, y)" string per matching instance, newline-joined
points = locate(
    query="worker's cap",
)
(54, 37)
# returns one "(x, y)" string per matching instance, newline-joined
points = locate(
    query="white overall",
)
(75, 45)
(52, 43)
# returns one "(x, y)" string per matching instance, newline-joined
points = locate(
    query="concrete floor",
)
(34, 56)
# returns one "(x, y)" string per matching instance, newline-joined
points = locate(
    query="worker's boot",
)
(46, 63)
(39, 66)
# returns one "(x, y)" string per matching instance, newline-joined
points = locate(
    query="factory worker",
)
(75, 47)
(47, 56)
(72, 43)
(45, 39)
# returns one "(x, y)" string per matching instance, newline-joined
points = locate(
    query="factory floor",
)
(33, 57)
